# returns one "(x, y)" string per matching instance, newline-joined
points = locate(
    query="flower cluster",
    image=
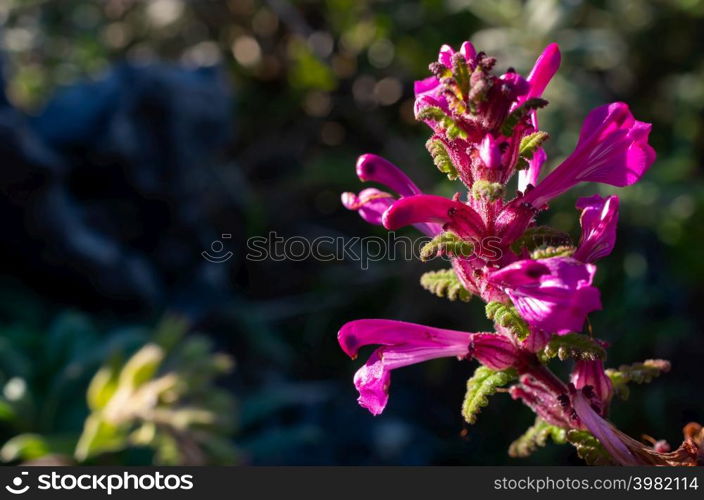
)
(538, 285)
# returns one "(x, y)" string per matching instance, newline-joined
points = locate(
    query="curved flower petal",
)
(603, 431)
(373, 168)
(517, 85)
(403, 344)
(598, 220)
(362, 332)
(495, 351)
(530, 175)
(536, 340)
(421, 87)
(544, 69)
(592, 374)
(370, 204)
(468, 51)
(374, 378)
(612, 149)
(445, 55)
(408, 343)
(554, 294)
(372, 381)
(541, 400)
(457, 216)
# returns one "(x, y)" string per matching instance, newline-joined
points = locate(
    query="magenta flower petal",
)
(536, 340)
(495, 351)
(544, 69)
(459, 217)
(468, 51)
(370, 204)
(374, 378)
(531, 175)
(372, 381)
(599, 219)
(603, 431)
(404, 344)
(445, 55)
(362, 332)
(489, 152)
(422, 87)
(373, 168)
(592, 374)
(541, 400)
(554, 295)
(612, 149)
(518, 85)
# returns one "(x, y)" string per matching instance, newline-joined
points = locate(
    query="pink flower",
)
(544, 69)
(454, 215)
(371, 203)
(373, 168)
(554, 294)
(543, 401)
(406, 344)
(599, 219)
(612, 148)
(591, 374)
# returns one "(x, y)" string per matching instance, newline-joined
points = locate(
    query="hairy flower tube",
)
(537, 284)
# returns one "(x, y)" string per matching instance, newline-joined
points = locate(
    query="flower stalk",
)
(538, 285)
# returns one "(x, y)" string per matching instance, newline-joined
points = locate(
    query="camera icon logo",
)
(218, 256)
(16, 488)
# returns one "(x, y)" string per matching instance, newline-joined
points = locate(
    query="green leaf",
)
(142, 366)
(444, 283)
(574, 345)
(519, 113)
(480, 386)
(535, 437)
(436, 114)
(441, 158)
(589, 448)
(24, 447)
(639, 373)
(100, 436)
(505, 315)
(102, 386)
(531, 142)
(446, 243)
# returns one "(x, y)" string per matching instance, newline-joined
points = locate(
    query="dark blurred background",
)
(136, 134)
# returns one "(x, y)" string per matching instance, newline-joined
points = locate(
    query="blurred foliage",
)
(319, 82)
(160, 397)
